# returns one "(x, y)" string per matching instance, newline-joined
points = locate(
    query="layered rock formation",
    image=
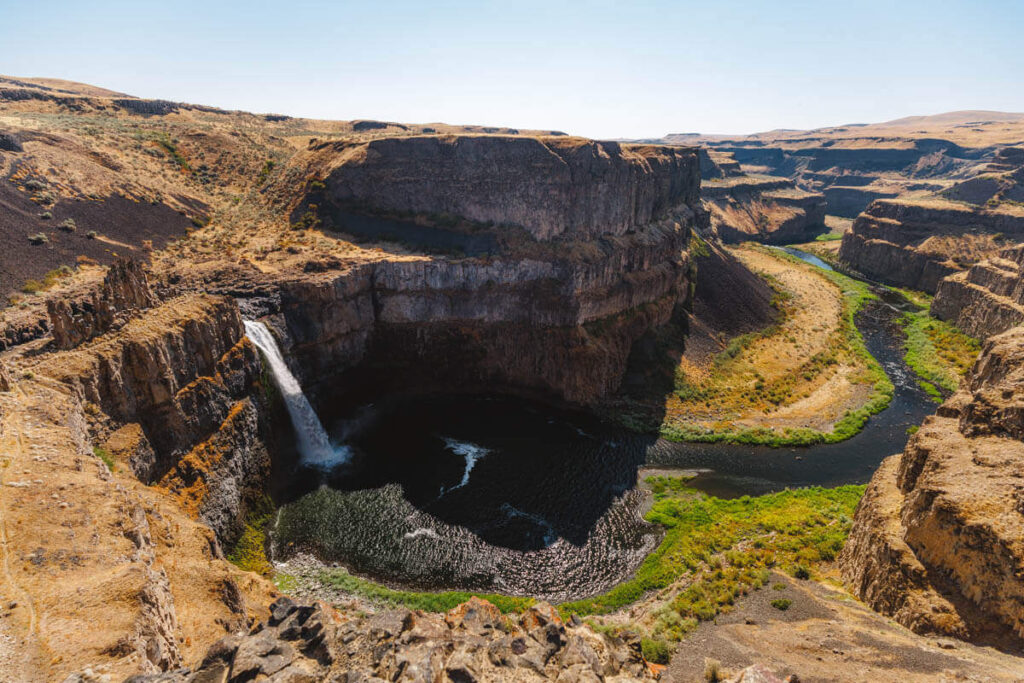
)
(917, 244)
(551, 187)
(182, 380)
(570, 283)
(986, 299)
(761, 208)
(938, 539)
(472, 642)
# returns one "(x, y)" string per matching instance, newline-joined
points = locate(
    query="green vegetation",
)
(49, 280)
(265, 172)
(829, 237)
(170, 146)
(726, 548)
(938, 352)
(782, 604)
(855, 295)
(104, 455)
(656, 650)
(68, 225)
(38, 238)
(429, 602)
(249, 552)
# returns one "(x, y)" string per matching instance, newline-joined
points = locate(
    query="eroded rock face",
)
(761, 208)
(179, 381)
(472, 642)
(585, 252)
(917, 245)
(986, 299)
(550, 186)
(938, 540)
(75, 319)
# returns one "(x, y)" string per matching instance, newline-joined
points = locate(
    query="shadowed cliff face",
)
(917, 244)
(586, 251)
(550, 187)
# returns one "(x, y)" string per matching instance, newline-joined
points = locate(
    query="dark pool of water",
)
(492, 494)
(499, 494)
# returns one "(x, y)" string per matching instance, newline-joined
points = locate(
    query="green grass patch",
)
(856, 295)
(249, 552)
(728, 547)
(104, 455)
(429, 602)
(937, 352)
(782, 604)
(829, 237)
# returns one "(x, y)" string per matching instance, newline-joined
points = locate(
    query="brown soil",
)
(827, 636)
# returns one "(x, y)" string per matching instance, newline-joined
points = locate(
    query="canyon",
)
(150, 469)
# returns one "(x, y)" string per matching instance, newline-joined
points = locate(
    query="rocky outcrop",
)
(938, 539)
(472, 642)
(986, 299)
(916, 245)
(763, 208)
(78, 317)
(183, 373)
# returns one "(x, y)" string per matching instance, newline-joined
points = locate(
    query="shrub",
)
(655, 650)
(92, 234)
(46, 215)
(782, 604)
(32, 286)
(38, 238)
(801, 572)
(68, 225)
(712, 670)
(104, 455)
(34, 185)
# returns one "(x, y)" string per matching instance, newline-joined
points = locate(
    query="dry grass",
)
(800, 374)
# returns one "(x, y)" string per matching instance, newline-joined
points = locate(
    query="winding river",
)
(504, 495)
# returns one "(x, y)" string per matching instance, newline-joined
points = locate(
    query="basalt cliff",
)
(141, 428)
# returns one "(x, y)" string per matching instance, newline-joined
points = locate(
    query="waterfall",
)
(314, 445)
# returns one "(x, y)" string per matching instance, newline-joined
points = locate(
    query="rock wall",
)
(472, 642)
(589, 252)
(916, 245)
(550, 186)
(986, 299)
(763, 209)
(938, 539)
(183, 373)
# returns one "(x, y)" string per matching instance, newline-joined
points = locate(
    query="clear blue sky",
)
(598, 68)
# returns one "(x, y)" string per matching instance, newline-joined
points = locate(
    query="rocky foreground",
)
(473, 642)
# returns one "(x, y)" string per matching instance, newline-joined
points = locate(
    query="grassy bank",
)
(935, 350)
(714, 551)
(726, 544)
(845, 346)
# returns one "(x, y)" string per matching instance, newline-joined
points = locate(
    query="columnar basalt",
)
(586, 251)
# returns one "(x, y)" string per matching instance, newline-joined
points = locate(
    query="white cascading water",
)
(314, 445)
